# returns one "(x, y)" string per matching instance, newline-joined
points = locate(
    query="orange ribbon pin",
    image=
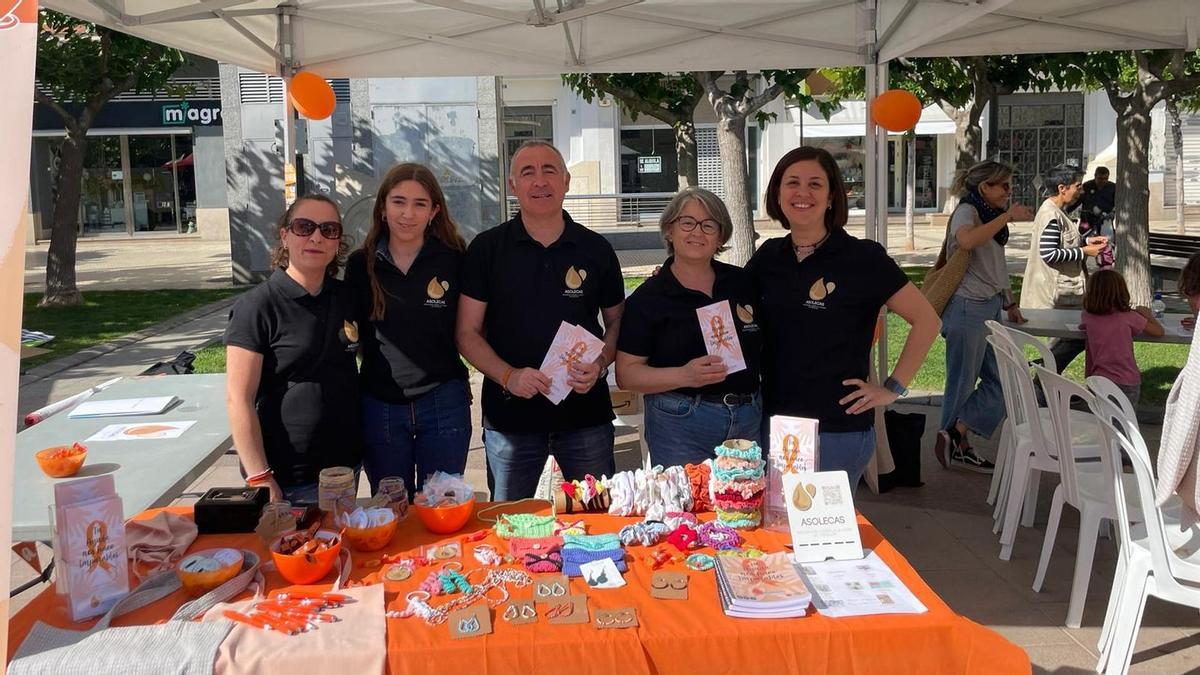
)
(97, 542)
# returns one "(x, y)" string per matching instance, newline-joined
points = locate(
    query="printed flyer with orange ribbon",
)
(794, 449)
(572, 344)
(90, 529)
(720, 335)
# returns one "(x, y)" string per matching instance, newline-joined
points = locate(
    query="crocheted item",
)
(538, 555)
(683, 537)
(676, 518)
(738, 473)
(739, 448)
(580, 555)
(644, 533)
(524, 525)
(745, 488)
(565, 527)
(740, 520)
(700, 562)
(571, 569)
(718, 536)
(698, 476)
(591, 542)
(730, 507)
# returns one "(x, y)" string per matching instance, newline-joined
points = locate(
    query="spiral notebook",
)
(768, 587)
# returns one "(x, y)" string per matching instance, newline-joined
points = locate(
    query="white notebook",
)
(150, 405)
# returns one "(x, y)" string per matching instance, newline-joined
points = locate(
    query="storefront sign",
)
(185, 113)
(650, 164)
(821, 516)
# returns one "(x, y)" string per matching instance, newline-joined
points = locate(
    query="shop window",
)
(102, 203)
(527, 123)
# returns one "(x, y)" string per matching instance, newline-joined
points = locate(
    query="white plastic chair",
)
(1032, 447)
(1149, 564)
(1086, 486)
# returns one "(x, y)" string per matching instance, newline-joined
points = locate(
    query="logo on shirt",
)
(817, 293)
(745, 314)
(574, 282)
(349, 335)
(436, 290)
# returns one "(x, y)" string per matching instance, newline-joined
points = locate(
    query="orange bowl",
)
(371, 538)
(301, 569)
(445, 519)
(61, 461)
(205, 570)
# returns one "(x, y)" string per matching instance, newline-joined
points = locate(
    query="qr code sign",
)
(831, 495)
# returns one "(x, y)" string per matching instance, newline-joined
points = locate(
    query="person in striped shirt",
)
(1056, 273)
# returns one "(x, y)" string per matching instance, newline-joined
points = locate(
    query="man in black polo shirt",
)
(1099, 197)
(521, 280)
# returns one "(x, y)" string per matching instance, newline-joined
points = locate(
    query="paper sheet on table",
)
(858, 588)
(152, 431)
(572, 344)
(720, 335)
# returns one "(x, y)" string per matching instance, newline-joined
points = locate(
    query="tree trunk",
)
(968, 136)
(60, 260)
(731, 141)
(1177, 137)
(1133, 201)
(910, 190)
(685, 154)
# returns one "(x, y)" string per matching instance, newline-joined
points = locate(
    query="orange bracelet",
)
(504, 381)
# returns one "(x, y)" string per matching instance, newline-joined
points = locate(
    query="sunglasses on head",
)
(330, 229)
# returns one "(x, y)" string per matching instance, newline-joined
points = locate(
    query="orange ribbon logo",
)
(97, 542)
(575, 354)
(791, 452)
(719, 336)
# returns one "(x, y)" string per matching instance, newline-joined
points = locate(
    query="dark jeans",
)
(412, 440)
(686, 429)
(848, 451)
(1065, 350)
(515, 461)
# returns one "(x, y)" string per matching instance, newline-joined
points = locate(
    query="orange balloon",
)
(312, 96)
(896, 110)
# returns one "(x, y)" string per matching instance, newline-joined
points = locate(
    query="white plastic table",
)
(148, 473)
(1064, 323)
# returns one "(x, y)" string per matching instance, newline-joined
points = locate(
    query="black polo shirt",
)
(307, 398)
(660, 323)
(411, 350)
(530, 290)
(818, 319)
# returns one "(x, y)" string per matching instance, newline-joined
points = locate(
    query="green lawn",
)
(107, 315)
(1159, 363)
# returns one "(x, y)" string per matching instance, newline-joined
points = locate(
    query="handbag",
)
(904, 433)
(943, 280)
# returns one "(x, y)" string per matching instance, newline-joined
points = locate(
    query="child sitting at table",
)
(1110, 324)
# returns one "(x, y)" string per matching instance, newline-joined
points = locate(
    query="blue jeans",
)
(684, 429)
(308, 493)
(414, 439)
(515, 461)
(848, 451)
(969, 358)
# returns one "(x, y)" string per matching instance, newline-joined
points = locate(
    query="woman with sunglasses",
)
(693, 403)
(405, 281)
(978, 224)
(290, 346)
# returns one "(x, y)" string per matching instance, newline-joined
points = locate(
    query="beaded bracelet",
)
(718, 536)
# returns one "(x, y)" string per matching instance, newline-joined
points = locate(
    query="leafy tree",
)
(733, 103)
(668, 97)
(1135, 82)
(80, 68)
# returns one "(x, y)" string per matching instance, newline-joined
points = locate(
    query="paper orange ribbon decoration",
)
(97, 541)
(575, 354)
(896, 110)
(719, 336)
(312, 96)
(791, 452)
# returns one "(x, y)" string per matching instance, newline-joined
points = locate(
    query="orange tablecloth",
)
(674, 637)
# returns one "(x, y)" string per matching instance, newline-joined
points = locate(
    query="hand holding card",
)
(572, 345)
(720, 335)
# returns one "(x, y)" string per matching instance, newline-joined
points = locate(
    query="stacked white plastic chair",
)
(1087, 486)
(1157, 557)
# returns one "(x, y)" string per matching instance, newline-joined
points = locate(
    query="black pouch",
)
(904, 432)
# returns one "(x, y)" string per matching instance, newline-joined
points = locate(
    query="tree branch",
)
(635, 102)
(755, 103)
(68, 120)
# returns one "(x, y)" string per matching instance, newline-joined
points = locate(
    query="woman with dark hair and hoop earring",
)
(405, 280)
(291, 378)
(820, 292)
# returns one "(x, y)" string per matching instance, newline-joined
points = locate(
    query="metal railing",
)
(619, 210)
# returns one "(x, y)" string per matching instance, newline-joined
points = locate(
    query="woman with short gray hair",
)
(693, 403)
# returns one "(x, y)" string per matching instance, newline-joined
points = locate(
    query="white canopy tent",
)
(365, 38)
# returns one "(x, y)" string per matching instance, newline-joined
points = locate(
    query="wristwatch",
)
(893, 385)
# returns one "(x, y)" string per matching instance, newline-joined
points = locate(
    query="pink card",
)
(794, 449)
(720, 335)
(572, 344)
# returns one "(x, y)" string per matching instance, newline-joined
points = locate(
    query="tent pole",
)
(287, 68)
